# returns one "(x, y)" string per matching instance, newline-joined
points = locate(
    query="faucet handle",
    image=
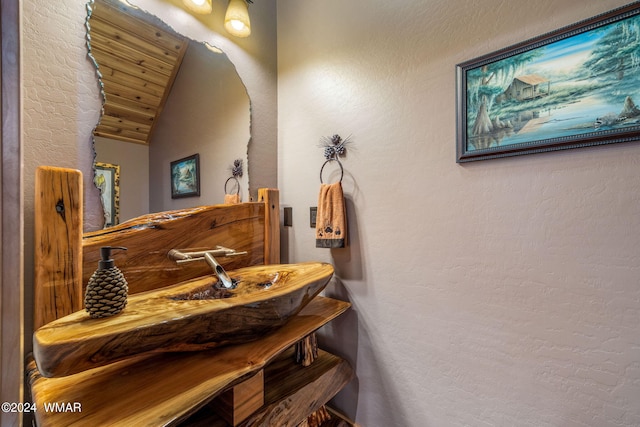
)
(182, 255)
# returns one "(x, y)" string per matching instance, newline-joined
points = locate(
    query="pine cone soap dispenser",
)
(107, 289)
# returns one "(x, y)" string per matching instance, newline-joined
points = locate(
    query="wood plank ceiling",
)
(137, 62)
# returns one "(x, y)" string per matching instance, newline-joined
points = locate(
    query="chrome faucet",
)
(209, 256)
(219, 271)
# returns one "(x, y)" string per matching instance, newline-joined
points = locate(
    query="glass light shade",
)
(236, 21)
(202, 7)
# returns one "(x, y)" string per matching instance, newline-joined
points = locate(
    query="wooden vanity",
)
(256, 383)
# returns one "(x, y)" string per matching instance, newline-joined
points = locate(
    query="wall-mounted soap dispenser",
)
(107, 289)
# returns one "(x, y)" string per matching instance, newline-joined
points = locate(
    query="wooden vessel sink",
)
(192, 315)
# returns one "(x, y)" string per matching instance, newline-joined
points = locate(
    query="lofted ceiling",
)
(138, 63)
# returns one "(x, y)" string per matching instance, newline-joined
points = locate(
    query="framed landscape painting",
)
(575, 87)
(185, 177)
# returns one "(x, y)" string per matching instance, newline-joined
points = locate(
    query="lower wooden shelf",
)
(291, 393)
(166, 389)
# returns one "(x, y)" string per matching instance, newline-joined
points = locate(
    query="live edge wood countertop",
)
(163, 389)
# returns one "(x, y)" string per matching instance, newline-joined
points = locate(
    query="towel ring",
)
(237, 184)
(325, 163)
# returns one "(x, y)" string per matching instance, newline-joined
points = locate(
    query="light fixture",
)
(202, 7)
(236, 21)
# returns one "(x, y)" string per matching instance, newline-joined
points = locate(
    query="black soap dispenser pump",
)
(107, 289)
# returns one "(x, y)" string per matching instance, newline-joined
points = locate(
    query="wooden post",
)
(307, 350)
(317, 418)
(58, 244)
(244, 399)
(271, 198)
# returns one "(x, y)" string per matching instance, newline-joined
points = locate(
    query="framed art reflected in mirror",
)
(107, 179)
(185, 177)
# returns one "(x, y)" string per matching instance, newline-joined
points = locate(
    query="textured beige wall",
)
(499, 293)
(61, 97)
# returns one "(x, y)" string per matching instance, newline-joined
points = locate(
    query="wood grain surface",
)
(193, 315)
(149, 238)
(58, 243)
(138, 62)
(270, 197)
(163, 389)
(294, 391)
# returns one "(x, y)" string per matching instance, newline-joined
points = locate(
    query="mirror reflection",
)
(165, 98)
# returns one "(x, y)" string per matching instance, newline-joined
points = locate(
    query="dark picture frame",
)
(574, 87)
(185, 177)
(107, 180)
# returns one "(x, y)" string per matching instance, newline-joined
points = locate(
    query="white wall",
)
(498, 293)
(61, 97)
